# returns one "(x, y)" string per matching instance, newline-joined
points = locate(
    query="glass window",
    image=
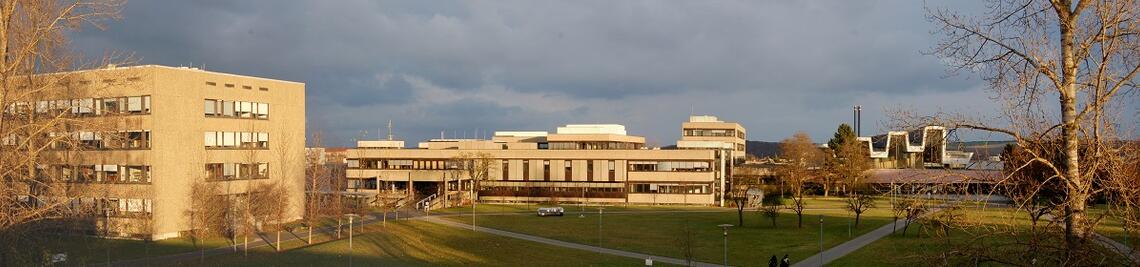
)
(211, 107)
(135, 104)
(228, 108)
(263, 111)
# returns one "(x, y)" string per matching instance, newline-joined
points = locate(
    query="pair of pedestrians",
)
(782, 263)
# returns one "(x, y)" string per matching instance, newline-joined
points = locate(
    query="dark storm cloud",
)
(443, 65)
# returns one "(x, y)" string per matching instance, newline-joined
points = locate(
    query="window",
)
(506, 170)
(211, 107)
(669, 166)
(109, 106)
(228, 108)
(247, 87)
(263, 89)
(229, 85)
(590, 170)
(244, 109)
(569, 169)
(136, 174)
(262, 111)
(546, 170)
(214, 171)
(107, 173)
(641, 188)
(135, 104)
(211, 83)
(526, 170)
(613, 172)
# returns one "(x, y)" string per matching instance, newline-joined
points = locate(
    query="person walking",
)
(773, 262)
(785, 262)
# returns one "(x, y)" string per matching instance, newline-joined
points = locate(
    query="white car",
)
(555, 211)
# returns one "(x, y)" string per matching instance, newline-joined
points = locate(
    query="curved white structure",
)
(929, 142)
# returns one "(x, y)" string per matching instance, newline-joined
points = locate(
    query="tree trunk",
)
(800, 215)
(278, 247)
(740, 216)
(1077, 190)
(310, 236)
(857, 219)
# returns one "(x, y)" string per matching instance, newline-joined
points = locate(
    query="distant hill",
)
(762, 149)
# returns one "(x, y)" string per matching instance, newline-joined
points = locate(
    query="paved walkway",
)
(849, 246)
(565, 244)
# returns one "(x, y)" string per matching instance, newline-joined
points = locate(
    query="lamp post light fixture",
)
(724, 227)
(350, 223)
(821, 240)
(600, 225)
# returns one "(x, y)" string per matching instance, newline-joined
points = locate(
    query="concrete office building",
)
(578, 163)
(162, 129)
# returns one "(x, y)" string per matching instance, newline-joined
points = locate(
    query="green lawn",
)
(997, 231)
(418, 243)
(84, 250)
(661, 233)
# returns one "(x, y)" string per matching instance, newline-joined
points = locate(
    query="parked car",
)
(555, 211)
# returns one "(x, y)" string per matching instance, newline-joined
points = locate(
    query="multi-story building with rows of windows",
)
(579, 163)
(162, 129)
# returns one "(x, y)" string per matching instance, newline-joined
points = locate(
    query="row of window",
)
(111, 207)
(236, 109)
(107, 106)
(669, 166)
(223, 140)
(592, 145)
(230, 85)
(713, 132)
(236, 171)
(102, 173)
(116, 140)
(405, 164)
(669, 189)
(114, 207)
(568, 167)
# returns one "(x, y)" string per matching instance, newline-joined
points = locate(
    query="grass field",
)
(997, 231)
(418, 243)
(660, 230)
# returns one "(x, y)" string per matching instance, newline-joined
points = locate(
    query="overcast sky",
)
(431, 66)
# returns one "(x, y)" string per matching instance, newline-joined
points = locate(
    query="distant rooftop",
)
(615, 129)
(704, 118)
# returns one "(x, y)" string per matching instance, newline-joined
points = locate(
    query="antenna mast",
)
(389, 130)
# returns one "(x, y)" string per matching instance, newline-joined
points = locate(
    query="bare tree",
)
(317, 182)
(1085, 53)
(802, 156)
(478, 167)
(687, 243)
(770, 207)
(739, 197)
(858, 203)
(207, 213)
(33, 43)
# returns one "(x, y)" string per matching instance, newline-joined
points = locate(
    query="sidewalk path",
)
(849, 246)
(564, 244)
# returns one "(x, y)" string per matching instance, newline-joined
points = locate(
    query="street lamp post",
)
(821, 240)
(350, 219)
(600, 226)
(724, 227)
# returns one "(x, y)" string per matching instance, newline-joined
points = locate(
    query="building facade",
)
(152, 132)
(579, 163)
